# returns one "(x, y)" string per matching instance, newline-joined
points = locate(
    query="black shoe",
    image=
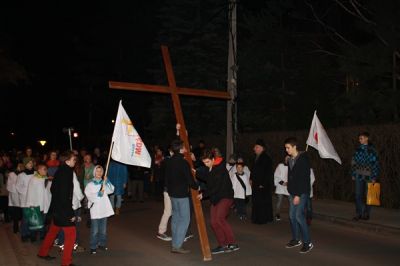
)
(306, 248)
(365, 217)
(357, 217)
(293, 243)
(232, 247)
(278, 217)
(219, 250)
(103, 248)
(92, 251)
(46, 257)
(180, 250)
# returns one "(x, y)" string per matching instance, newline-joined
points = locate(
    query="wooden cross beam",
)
(175, 92)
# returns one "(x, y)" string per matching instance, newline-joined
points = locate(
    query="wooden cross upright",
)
(175, 92)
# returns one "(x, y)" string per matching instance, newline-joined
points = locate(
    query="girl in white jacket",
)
(97, 192)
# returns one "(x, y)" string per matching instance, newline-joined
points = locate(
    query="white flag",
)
(128, 146)
(318, 139)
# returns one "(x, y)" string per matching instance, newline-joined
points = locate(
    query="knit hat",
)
(260, 142)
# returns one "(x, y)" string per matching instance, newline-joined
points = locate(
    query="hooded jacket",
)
(219, 184)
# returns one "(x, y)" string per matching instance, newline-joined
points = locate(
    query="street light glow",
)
(42, 142)
(76, 134)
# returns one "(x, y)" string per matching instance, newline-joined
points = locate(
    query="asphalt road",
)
(132, 241)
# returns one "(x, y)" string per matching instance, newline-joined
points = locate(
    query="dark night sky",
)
(63, 47)
(71, 49)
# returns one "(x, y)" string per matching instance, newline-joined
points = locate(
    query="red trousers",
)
(220, 226)
(69, 241)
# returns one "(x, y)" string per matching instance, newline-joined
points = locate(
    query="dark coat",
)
(62, 189)
(262, 175)
(262, 172)
(178, 177)
(219, 184)
(299, 176)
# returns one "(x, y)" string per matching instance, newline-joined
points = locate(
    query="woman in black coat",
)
(261, 180)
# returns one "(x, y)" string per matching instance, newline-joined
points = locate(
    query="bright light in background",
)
(76, 134)
(12, 134)
(42, 142)
(113, 121)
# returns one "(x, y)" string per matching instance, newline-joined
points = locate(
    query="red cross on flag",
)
(318, 139)
(128, 147)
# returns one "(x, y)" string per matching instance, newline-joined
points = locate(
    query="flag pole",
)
(111, 145)
(108, 159)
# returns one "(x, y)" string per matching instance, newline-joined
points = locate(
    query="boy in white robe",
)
(35, 196)
(22, 189)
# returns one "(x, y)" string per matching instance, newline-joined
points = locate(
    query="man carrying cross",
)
(178, 179)
(175, 91)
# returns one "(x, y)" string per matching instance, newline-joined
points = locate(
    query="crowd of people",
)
(45, 197)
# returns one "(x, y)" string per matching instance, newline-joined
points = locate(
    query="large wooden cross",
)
(175, 92)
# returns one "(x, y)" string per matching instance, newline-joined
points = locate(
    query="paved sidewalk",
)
(382, 221)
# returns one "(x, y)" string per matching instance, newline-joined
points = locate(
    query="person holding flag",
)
(97, 192)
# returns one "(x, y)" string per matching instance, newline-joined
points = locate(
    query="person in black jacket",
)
(61, 209)
(220, 192)
(261, 181)
(299, 192)
(178, 181)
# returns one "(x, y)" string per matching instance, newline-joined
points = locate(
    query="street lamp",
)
(69, 130)
(42, 142)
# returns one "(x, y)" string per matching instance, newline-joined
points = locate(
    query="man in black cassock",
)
(262, 180)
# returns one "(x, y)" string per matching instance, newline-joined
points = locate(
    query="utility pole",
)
(395, 76)
(231, 123)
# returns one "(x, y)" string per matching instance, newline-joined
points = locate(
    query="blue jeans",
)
(297, 218)
(98, 233)
(361, 196)
(119, 201)
(180, 220)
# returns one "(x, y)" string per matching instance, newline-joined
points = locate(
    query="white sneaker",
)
(163, 237)
(188, 237)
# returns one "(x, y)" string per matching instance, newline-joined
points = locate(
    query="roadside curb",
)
(361, 225)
